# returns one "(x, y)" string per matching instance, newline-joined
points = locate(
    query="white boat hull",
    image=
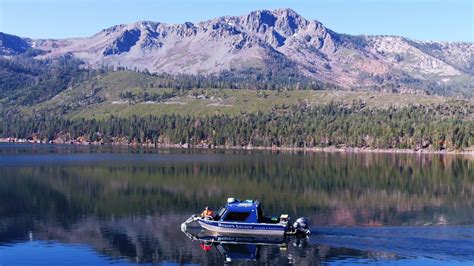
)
(277, 229)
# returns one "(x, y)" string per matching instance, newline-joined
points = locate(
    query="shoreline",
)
(330, 149)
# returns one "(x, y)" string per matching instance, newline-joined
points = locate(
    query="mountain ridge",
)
(266, 39)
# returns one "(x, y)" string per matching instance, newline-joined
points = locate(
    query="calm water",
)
(96, 205)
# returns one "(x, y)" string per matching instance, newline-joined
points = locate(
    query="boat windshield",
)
(220, 212)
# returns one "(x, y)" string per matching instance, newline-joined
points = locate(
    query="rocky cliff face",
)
(253, 40)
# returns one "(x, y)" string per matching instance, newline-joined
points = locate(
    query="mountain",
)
(277, 42)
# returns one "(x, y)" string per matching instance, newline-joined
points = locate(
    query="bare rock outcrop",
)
(254, 40)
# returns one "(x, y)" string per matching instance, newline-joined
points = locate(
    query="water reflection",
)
(128, 204)
(237, 247)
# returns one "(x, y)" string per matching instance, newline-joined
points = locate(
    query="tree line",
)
(412, 127)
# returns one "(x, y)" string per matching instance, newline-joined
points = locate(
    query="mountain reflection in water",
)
(126, 205)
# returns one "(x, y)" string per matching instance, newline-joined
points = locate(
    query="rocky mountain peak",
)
(123, 43)
(289, 22)
(111, 30)
(285, 21)
(259, 21)
(264, 39)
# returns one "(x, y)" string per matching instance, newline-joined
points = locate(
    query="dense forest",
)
(26, 81)
(414, 127)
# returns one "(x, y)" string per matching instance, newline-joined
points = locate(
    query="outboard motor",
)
(301, 226)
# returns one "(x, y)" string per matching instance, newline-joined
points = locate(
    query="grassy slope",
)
(217, 101)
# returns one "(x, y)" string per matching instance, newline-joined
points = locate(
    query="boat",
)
(246, 217)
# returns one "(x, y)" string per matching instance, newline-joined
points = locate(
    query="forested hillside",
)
(411, 127)
(62, 100)
(25, 81)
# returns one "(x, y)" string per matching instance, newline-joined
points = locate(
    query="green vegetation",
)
(25, 81)
(387, 188)
(412, 127)
(127, 93)
(47, 99)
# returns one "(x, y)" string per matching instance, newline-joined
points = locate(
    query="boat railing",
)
(191, 219)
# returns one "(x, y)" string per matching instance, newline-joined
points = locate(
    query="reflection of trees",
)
(139, 239)
(338, 188)
(132, 208)
(157, 238)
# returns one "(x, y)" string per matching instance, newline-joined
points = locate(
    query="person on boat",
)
(206, 213)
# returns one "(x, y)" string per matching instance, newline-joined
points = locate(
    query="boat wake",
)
(434, 242)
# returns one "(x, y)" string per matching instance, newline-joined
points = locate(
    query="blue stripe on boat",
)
(243, 228)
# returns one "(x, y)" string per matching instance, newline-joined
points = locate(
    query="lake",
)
(77, 205)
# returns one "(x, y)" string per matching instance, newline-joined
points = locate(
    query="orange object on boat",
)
(206, 212)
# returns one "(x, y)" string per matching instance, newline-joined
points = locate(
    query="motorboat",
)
(246, 217)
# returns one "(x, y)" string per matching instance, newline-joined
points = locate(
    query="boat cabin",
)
(243, 211)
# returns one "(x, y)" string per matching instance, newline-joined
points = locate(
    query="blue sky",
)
(448, 20)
